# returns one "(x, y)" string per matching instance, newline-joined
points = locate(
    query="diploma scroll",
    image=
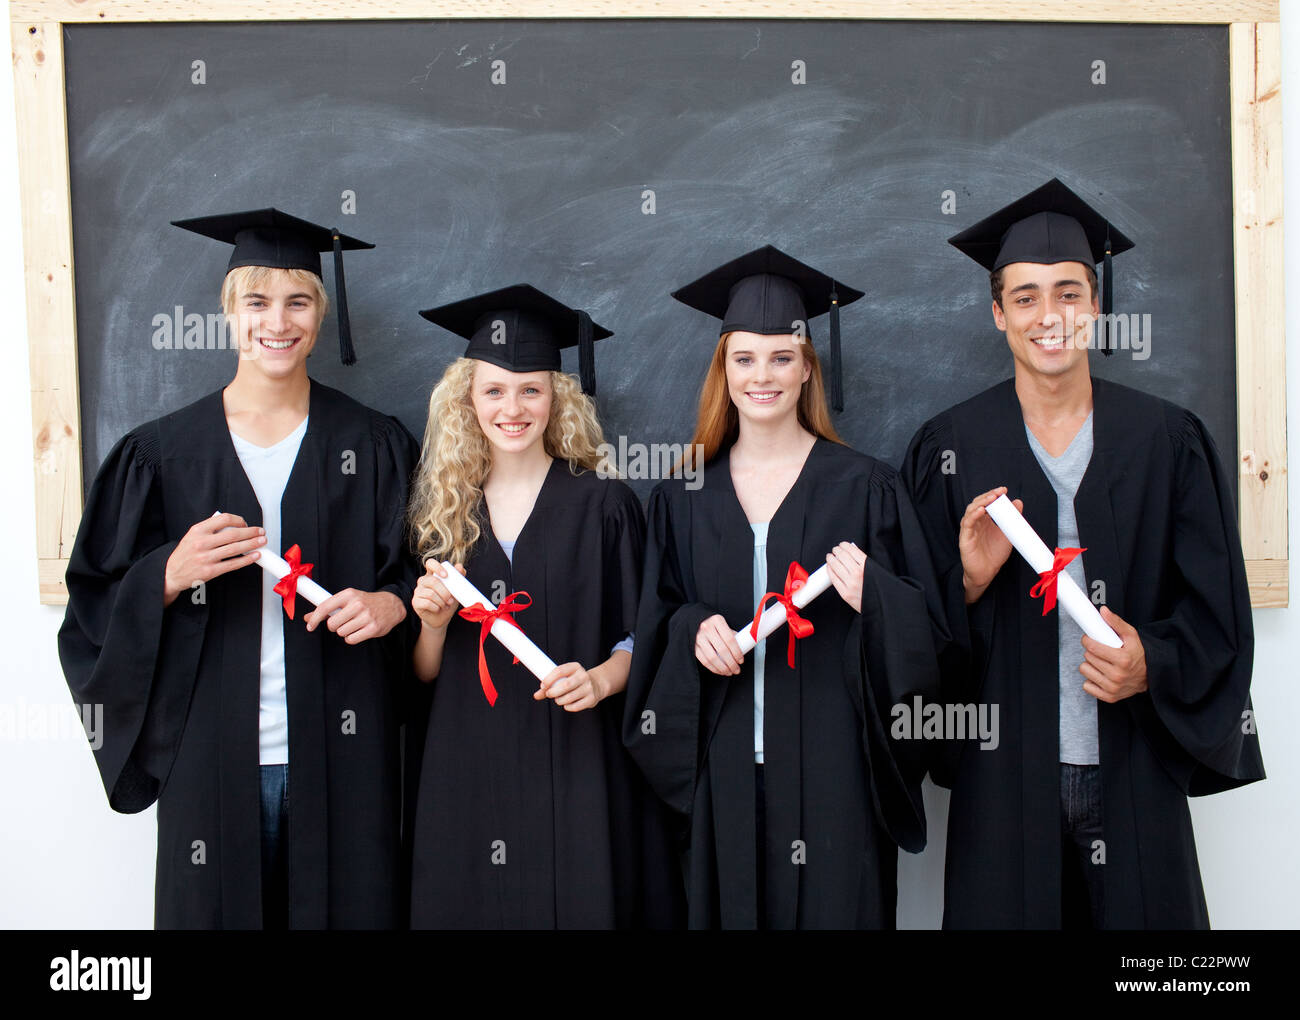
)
(279, 569)
(774, 616)
(1039, 557)
(516, 641)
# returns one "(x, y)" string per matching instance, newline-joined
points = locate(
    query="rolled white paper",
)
(278, 568)
(1068, 594)
(516, 641)
(774, 616)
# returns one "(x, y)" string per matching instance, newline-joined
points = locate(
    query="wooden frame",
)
(1256, 112)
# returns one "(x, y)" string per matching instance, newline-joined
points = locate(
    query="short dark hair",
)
(995, 283)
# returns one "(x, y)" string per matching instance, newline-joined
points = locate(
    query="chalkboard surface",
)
(466, 185)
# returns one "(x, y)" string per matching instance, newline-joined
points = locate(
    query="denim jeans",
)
(275, 871)
(1082, 881)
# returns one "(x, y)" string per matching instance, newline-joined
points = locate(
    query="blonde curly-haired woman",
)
(528, 811)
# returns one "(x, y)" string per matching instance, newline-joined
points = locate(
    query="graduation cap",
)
(520, 329)
(767, 291)
(1050, 224)
(268, 237)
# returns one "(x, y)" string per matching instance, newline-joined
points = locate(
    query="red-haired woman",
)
(793, 794)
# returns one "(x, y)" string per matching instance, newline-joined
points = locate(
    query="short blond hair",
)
(243, 279)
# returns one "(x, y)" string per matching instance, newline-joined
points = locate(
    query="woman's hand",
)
(716, 648)
(432, 601)
(214, 546)
(572, 687)
(845, 564)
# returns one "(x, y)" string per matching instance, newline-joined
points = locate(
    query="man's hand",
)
(358, 615)
(983, 546)
(1113, 674)
(214, 546)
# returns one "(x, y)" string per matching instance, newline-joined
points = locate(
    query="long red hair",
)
(718, 424)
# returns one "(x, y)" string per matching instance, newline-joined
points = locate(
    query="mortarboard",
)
(268, 237)
(520, 329)
(1050, 224)
(767, 291)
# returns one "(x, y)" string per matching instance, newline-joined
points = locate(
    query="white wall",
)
(67, 861)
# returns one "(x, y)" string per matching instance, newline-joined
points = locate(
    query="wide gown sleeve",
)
(623, 547)
(965, 636)
(1199, 657)
(396, 455)
(898, 629)
(662, 715)
(120, 648)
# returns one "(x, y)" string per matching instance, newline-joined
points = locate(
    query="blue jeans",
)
(1082, 881)
(275, 871)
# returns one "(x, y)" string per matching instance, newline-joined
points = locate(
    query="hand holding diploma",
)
(293, 577)
(1112, 674)
(497, 621)
(721, 650)
(800, 589)
(983, 546)
(1053, 581)
(212, 547)
(433, 603)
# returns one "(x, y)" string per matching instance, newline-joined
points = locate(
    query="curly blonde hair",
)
(445, 519)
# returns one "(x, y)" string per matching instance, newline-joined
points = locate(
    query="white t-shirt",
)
(268, 470)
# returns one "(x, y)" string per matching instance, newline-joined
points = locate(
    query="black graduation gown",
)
(180, 685)
(528, 816)
(835, 781)
(1156, 516)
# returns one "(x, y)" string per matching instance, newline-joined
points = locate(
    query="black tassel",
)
(1107, 299)
(837, 374)
(346, 352)
(586, 354)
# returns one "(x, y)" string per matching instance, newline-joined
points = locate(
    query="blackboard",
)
(466, 185)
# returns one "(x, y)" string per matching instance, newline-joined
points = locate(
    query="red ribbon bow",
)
(287, 586)
(1045, 586)
(795, 578)
(487, 617)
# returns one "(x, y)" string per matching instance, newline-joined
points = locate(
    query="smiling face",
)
(1045, 313)
(277, 315)
(765, 375)
(513, 408)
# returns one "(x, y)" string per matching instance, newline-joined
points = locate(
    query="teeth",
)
(278, 345)
(1049, 341)
(513, 430)
(767, 395)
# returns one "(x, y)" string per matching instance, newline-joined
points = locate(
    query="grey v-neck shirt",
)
(1078, 729)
